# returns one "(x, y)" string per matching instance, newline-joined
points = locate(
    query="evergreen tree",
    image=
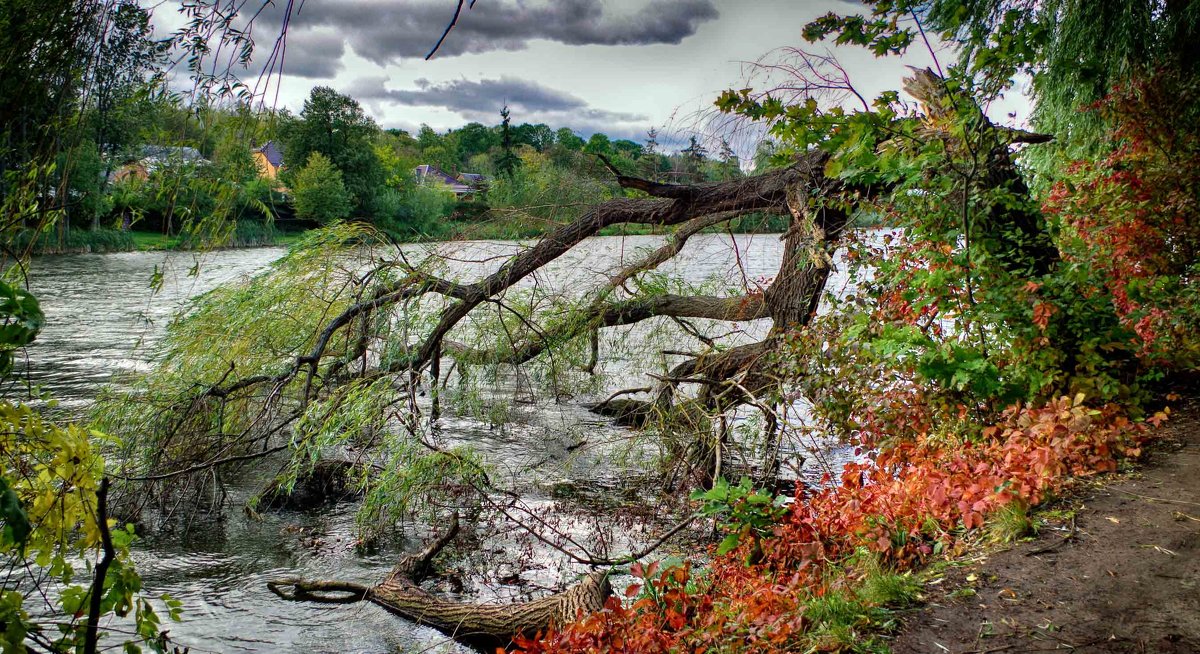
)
(695, 151)
(649, 161)
(651, 147)
(508, 161)
(693, 158)
(730, 168)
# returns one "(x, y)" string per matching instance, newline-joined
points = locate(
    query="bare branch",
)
(655, 189)
(449, 26)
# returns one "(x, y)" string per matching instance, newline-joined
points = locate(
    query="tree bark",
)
(491, 625)
(1011, 229)
(485, 626)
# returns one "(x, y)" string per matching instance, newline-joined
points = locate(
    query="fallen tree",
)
(485, 626)
(359, 356)
(246, 402)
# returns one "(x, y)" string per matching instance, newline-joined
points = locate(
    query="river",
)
(103, 319)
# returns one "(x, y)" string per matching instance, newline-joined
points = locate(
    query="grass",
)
(288, 238)
(840, 621)
(114, 240)
(150, 242)
(886, 588)
(1012, 523)
(859, 604)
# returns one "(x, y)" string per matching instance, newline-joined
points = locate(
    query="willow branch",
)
(626, 312)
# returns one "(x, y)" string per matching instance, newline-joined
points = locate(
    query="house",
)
(127, 171)
(269, 159)
(474, 180)
(464, 186)
(153, 157)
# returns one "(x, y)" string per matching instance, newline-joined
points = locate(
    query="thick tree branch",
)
(654, 189)
(626, 312)
(767, 191)
(96, 594)
(481, 625)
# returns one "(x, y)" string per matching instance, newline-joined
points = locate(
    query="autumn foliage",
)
(1132, 218)
(899, 505)
(915, 370)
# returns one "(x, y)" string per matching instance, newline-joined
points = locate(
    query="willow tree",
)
(1072, 53)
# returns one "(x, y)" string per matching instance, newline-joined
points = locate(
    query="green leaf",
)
(728, 544)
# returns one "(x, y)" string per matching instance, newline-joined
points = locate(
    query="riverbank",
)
(1114, 567)
(106, 240)
(152, 242)
(844, 568)
(253, 234)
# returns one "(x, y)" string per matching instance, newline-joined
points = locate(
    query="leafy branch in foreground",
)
(52, 515)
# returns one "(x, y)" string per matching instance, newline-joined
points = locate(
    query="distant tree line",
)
(337, 164)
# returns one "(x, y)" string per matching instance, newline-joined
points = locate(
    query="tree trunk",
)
(490, 626)
(485, 626)
(809, 246)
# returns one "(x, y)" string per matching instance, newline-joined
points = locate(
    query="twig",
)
(208, 464)
(627, 391)
(449, 26)
(1065, 539)
(990, 650)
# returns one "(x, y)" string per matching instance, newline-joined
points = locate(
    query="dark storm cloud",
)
(384, 32)
(310, 54)
(314, 54)
(482, 100)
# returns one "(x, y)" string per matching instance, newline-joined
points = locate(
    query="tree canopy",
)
(335, 126)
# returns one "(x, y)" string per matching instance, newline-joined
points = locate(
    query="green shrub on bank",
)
(418, 212)
(76, 240)
(252, 233)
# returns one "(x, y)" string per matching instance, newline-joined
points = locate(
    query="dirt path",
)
(1126, 578)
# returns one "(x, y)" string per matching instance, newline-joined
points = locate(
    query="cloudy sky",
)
(617, 66)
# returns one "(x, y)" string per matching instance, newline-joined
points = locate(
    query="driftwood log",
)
(484, 626)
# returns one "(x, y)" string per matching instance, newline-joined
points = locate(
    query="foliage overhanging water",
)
(103, 319)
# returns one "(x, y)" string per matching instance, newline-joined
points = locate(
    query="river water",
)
(103, 319)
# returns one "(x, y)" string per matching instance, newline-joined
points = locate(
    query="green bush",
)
(422, 211)
(251, 233)
(545, 193)
(318, 192)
